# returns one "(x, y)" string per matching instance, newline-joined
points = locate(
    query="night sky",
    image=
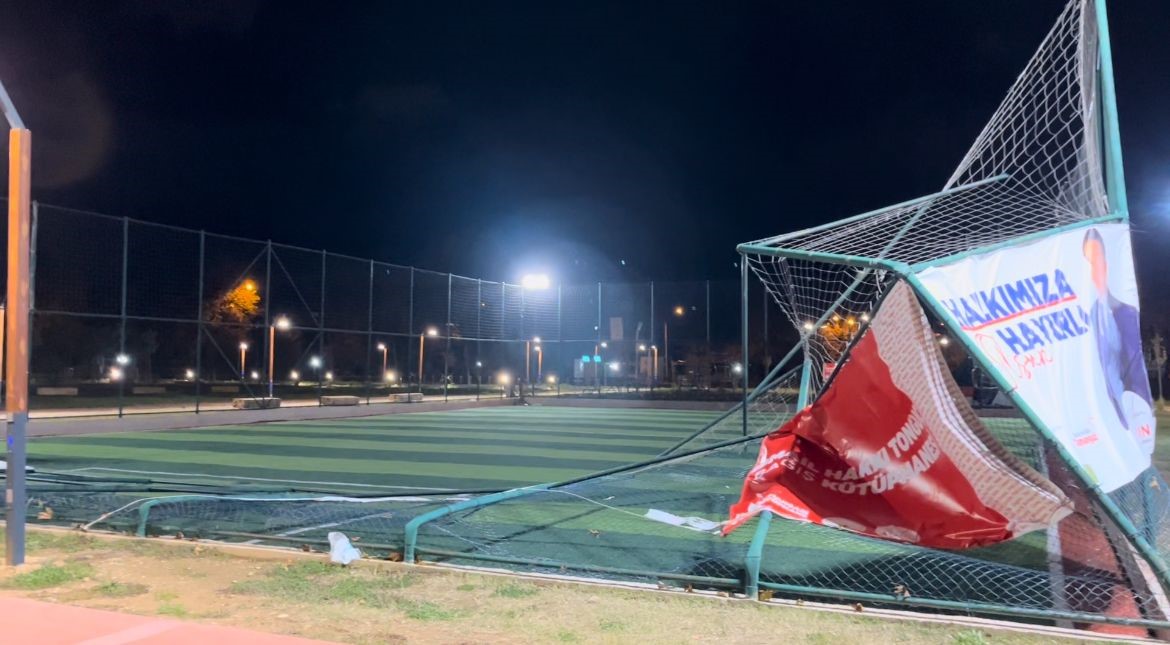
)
(494, 138)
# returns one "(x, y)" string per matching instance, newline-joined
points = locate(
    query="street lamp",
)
(295, 376)
(679, 311)
(389, 376)
(654, 361)
(190, 375)
(503, 379)
(422, 338)
(282, 323)
(243, 359)
(122, 359)
(539, 362)
(382, 348)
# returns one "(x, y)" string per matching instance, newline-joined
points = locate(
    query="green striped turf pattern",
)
(463, 449)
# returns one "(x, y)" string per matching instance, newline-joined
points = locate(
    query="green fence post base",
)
(752, 560)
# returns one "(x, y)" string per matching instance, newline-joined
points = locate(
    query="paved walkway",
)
(28, 622)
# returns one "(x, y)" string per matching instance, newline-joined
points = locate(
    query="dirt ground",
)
(381, 602)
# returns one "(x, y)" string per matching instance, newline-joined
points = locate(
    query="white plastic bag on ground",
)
(340, 549)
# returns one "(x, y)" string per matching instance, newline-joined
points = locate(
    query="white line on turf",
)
(256, 479)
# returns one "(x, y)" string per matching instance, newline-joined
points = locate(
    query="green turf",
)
(464, 449)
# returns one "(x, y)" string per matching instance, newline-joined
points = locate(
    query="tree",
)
(836, 334)
(239, 305)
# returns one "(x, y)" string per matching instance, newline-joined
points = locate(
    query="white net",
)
(1037, 165)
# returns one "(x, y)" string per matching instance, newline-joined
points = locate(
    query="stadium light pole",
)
(282, 323)
(16, 324)
(422, 341)
(243, 360)
(382, 348)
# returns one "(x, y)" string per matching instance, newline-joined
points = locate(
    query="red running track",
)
(29, 622)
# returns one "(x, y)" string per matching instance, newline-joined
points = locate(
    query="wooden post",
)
(17, 338)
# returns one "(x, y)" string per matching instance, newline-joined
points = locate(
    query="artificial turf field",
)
(470, 449)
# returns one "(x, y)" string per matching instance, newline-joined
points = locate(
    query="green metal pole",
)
(805, 379)
(410, 531)
(1114, 172)
(743, 333)
(755, 554)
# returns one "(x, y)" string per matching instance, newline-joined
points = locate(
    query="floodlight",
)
(282, 323)
(190, 374)
(295, 375)
(315, 361)
(432, 331)
(536, 281)
(243, 347)
(122, 359)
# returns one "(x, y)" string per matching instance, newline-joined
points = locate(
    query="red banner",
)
(892, 450)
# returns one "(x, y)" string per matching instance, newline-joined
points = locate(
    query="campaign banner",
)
(892, 450)
(1059, 318)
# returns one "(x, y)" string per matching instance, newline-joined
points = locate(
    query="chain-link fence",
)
(136, 316)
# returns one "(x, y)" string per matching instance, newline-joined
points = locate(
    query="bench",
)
(56, 391)
(407, 397)
(340, 400)
(256, 404)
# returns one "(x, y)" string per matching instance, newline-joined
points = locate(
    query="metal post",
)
(200, 330)
(767, 353)
(370, 334)
(122, 315)
(708, 353)
(743, 333)
(1114, 172)
(653, 371)
(17, 334)
(321, 326)
(268, 347)
(560, 340)
(478, 337)
(599, 336)
(805, 380)
(410, 333)
(447, 351)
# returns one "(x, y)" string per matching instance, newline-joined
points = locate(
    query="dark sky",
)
(490, 138)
